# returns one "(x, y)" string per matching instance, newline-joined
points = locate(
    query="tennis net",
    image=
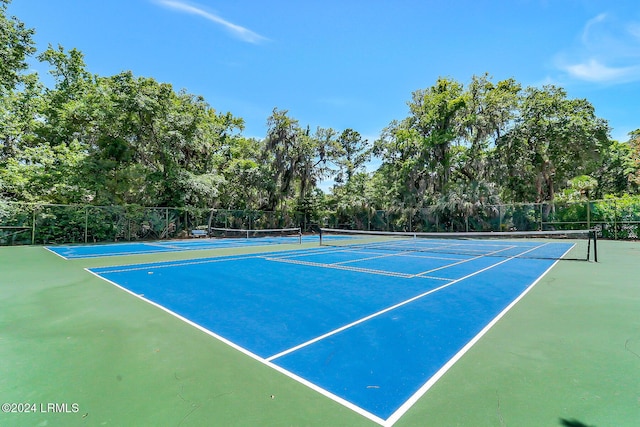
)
(271, 233)
(565, 245)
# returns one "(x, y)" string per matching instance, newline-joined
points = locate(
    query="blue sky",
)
(352, 64)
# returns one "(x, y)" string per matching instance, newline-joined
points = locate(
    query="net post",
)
(595, 245)
(320, 233)
(300, 235)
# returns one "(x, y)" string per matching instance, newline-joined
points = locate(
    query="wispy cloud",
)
(609, 52)
(593, 22)
(634, 30)
(594, 71)
(237, 31)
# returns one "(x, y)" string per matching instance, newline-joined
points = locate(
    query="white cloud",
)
(240, 32)
(634, 30)
(586, 32)
(594, 71)
(609, 52)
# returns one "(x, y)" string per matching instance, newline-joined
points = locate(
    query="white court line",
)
(165, 246)
(426, 386)
(168, 264)
(342, 264)
(463, 261)
(268, 362)
(340, 267)
(368, 258)
(56, 253)
(362, 250)
(393, 307)
(193, 261)
(254, 356)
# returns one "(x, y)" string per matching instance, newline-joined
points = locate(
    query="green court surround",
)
(567, 354)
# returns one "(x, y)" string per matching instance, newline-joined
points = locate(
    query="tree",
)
(155, 146)
(282, 155)
(43, 142)
(353, 153)
(616, 174)
(245, 176)
(434, 114)
(634, 146)
(488, 113)
(553, 140)
(16, 45)
(296, 159)
(19, 94)
(419, 147)
(19, 111)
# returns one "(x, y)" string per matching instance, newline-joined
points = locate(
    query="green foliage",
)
(618, 218)
(578, 188)
(462, 150)
(16, 45)
(553, 139)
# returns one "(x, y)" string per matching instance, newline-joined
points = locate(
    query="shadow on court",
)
(573, 423)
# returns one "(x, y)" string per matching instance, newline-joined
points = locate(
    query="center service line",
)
(393, 307)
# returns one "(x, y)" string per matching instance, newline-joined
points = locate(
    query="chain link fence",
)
(24, 224)
(613, 218)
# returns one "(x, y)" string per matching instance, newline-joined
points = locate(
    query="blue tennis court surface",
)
(139, 248)
(372, 329)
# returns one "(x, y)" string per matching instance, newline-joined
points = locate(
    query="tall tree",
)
(618, 173)
(419, 148)
(19, 93)
(16, 45)
(353, 153)
(45, 145)
(156, 146)
(434, 117)
(281, 153)
(553, 140)
(634, 146)
(489, 111)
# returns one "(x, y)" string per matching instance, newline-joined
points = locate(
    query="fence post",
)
(33, 225)
(541, 219)
(166, 222)
(615, 220)
(588, 214)
(86, 223)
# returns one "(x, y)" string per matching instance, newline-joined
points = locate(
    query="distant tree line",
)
(126, 139)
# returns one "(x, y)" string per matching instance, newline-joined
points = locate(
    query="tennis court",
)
(394, 334)
(239, 238)
(371, 328)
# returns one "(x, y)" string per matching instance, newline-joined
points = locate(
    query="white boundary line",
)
(240, 242)
(55, 253)
(254, 356)
(422, 390)
(414, 398)
(179, 263)
(189, 261)
(386, 310)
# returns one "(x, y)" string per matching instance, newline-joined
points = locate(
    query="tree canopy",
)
(127, 139)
